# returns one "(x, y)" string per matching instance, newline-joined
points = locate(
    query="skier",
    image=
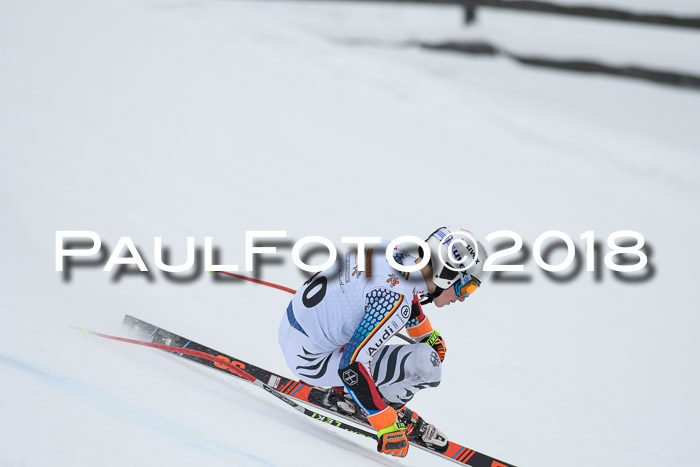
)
(336, 328)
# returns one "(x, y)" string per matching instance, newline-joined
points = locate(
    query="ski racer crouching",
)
(336, 327)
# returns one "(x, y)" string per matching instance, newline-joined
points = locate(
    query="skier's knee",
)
(427, 364)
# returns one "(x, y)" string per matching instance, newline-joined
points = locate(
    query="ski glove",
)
(435, 340)
(392, 440)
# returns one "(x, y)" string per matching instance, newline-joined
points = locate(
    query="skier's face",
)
(447, 297)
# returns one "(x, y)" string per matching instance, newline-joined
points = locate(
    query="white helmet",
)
(456, 256)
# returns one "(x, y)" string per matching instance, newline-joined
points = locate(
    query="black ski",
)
(289, 387)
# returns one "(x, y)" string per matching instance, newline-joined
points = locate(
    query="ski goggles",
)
(463, 290)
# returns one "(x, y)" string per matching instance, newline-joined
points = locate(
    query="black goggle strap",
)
(429, 297)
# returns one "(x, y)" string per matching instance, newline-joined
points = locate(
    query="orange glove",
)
(392, 440)
(436, 341)
(391, 434)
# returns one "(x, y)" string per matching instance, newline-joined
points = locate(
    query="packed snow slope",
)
(163, 118)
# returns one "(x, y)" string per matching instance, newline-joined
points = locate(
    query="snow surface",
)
(149, 117)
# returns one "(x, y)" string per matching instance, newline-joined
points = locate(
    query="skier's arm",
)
(418, 325)
(376, 327)
(419, 328)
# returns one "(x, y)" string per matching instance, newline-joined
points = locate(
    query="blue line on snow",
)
(109, 402)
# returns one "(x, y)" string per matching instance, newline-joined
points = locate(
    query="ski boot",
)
(336, 400)
(421, 432)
